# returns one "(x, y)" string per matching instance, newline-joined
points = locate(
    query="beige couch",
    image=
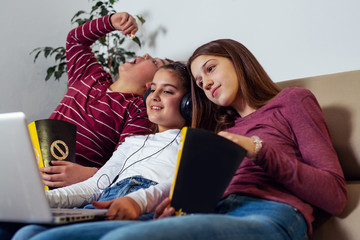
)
(338, 95)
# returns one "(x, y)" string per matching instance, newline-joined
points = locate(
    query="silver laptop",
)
(22, 190)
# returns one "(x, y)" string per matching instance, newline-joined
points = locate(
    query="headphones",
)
(185, 105)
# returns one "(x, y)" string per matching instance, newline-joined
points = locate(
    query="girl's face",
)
(216, 76)
(163, 102)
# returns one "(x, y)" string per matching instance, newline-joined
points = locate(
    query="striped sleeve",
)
(81, 61)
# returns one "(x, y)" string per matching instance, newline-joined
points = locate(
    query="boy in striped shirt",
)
(104, 111)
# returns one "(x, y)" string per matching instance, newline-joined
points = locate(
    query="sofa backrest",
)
(339, 98)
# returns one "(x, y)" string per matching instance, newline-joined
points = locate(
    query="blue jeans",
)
(123, 188)
(239, 217)
(120, 189)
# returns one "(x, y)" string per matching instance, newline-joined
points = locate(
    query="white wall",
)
(26, 25)
(291, 39)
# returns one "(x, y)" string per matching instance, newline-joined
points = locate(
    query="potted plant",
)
(108, 50)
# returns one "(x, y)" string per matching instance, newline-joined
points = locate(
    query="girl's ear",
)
(147, 85)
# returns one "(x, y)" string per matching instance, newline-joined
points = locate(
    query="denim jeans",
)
(238, 217)
(120, 189)
(123, 188)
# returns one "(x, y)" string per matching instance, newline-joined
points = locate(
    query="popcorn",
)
(132, 36)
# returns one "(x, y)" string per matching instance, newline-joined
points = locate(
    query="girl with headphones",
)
(142, 161)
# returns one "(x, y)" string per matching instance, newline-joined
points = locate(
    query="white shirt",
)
(156, 155)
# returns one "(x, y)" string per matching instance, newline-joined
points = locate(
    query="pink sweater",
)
(103, 119)
(297, 163)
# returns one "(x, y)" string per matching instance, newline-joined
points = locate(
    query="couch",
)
(338, 95)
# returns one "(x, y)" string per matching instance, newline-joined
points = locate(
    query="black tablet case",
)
(206, 164)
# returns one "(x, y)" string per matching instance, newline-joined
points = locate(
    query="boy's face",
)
(141, 70)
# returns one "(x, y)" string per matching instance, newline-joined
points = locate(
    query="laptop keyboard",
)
(57, 214)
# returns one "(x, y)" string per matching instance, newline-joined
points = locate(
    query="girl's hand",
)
(124, 22)
(164, 209)
(64, 173)
(245, 142)
(123, 208)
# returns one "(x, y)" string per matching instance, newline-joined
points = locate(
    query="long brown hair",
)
(255, 85)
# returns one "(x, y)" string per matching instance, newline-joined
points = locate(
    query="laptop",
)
(23, 197)
(206, 164)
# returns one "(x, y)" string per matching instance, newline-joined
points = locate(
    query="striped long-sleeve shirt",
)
(103, 118)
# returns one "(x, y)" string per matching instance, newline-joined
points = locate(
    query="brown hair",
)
(180, 70)
(255, 85)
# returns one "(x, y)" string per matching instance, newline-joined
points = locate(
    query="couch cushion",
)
(339, 98)
(344, 226)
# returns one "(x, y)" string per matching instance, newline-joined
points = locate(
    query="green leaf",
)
(80, 21)
(58, 74)
(47, 51)
(101, 58)
(130, 54)
(34, 50)
(37, 55)
(94, 8)
(62, 67)
(103, 40)
(55, 50)
(122, 59)
(141, 19)
(58, 56)
(77, 15)
(99, 3)
(137, 40)
(103, 11)
(116, 36)
(50, 71)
